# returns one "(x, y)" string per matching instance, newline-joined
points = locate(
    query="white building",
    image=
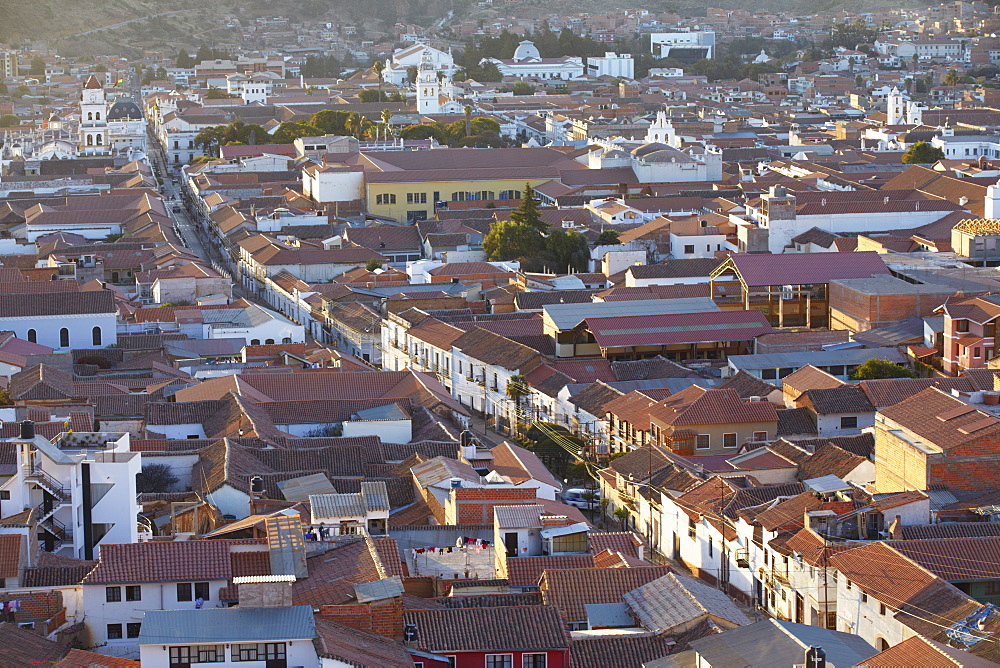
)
(612, 65)
(279, 636)
(94, 119)
(82, 486)
(528, 63)
(413, 56)
(62, 320)
(684, 46)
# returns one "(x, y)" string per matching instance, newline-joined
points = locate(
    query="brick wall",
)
(858, 311)
(384, 617)
(475, 504)
(898, 465)
(37, 606)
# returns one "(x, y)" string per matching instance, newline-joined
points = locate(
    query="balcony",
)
(45, 481)
(780, 576)
(742, 558)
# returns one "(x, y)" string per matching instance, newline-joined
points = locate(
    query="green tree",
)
(386, 116)
(331, 122)
(37, 67)
(433, 131)
(411, 74)
(528, 212)
(877, 368)
(101, 67)
(357, 124)
(607, 238)
(289, 131)
(511, 240)
(372, 95)
(214, 93)
(952, 78)
(565, 251)
(467, 110)
(373, 264)
(523, 88)
(184, 60)
(21, 91)
(379, 70)
(622, 515)
(517, 389)
(9, 120)
(155, 478)
(922, 153)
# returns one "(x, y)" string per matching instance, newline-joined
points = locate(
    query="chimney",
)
(896, 528)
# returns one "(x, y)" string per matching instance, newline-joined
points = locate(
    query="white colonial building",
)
(528, 63)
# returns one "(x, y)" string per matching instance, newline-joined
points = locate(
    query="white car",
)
(574, 497)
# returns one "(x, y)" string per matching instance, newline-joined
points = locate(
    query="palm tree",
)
(468, 120)
(356, 124)
(378, 68)
(386, 117)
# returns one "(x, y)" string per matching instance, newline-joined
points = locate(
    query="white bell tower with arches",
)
(94, 119)
(428, 87)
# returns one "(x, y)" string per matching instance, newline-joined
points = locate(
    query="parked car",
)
(574, 497)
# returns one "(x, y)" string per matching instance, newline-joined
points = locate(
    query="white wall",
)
(829, 425)
(298, 653)
(80, 328)
(390, 431)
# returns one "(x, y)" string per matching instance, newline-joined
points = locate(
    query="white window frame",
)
(708, 441)
(757, 436)
(486, 661)
(545, 658)
(736, 440)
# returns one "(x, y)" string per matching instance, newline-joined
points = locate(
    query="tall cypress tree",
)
(527, 213)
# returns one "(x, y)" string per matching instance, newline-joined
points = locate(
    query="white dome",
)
(525, 50)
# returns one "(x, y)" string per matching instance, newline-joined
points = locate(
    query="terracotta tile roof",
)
(57, 303)
(522, 628)
(352, 647)
(978, 309)
(747, 385)
(677, 328)
(696, 406)
(10, 555)
(788, 513)
(795, 422)
(889, 392)
(41, 381)
(949, 530)
(525, 571)
(829, 459)
(844, 399)
(640, 463)
(469, 269)
(813, 548)
(883, 573)
(177, 561)
(942, 420)
(333, 574)
(926, 653)
(26, 648)
(808, 378)
(657, 367)
(620, 651)
(623, 542)
(571, 590)
(439, 334)
(490, 348)
(594, 398)
(78, 658)
(633, 408)
(954, 559)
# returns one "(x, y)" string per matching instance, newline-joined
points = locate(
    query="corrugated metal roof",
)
(568, 316)
(806, 268)
(518, 517)
(674, 328)
(379, 589)
(300, 489)
(818, 358)
(327, 507)
(608, 615)
(376, 496)
(219, 625)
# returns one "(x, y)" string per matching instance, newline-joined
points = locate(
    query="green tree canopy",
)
(523, 88)
(184, 59)
(511, 240)
(429, 131)
(922, 153)
(527, 213)
(289, 131)
(9, 120)
(331, 122)
(373, 95)
(607, 238)
(565, 252)
(213, 93)
(877, 368)
(373, 264)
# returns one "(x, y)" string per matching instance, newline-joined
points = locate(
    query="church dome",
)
(526, 50)
(651, 147)
(668, 154)
(124, 108)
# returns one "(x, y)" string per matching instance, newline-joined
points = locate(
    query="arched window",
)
(97, 116)
(287, 339)
(269, 342)
(97, 336)
(32, 336)
(100, 139)
(64, 338)
(90, 115)
(90, 140)
(254, 342)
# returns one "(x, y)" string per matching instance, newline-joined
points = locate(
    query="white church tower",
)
(662, 131)
(428, 87)
(94, 119)
(895, 107)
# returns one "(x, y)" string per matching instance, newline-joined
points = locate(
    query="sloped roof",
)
(926, 653)
(522, 628)
(677, 600)
(571, 590)
(176, 561)
(806, 268)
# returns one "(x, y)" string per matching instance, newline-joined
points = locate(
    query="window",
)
(64, 338)
(703, 442)
(881, 608)
(182, 656)
(849, 422)
(534, 661)
(760, 436)
(184, 591)
(769, 374)
(32, 336)
(132, 629)
(864, 597)
(114, 631)
(96, 335)
(416, 198)
(112, 594)
(977, 352)
(961, 325)
(729, 440)
(499, 661)
(5, 495)
(133, 593)
(201, 590)
(385, 199)
(271, 651)
(711, 547)
(688, 249)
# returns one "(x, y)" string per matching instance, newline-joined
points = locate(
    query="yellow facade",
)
(415, 200)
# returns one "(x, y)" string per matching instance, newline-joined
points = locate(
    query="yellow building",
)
(405, 185)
